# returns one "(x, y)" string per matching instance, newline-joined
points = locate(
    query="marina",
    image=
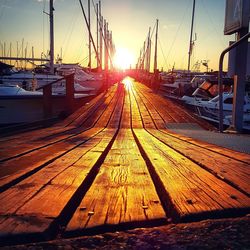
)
(110, 152)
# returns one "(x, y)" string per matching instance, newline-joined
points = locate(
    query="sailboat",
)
(20, 105)
(178, 82)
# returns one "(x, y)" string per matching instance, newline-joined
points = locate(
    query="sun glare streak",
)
(123, 58)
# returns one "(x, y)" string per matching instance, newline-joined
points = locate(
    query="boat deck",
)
(113, 165)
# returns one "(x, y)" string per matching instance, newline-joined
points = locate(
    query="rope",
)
(214, 27)
(105, 42)
(165, 60)
(66, 41)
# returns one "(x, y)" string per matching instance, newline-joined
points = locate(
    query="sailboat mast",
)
(148, 52)
(191, 37)
(97, 33)
(91, 37)
(51, 19)
(156, 41)
(89, 34)
(100, 35)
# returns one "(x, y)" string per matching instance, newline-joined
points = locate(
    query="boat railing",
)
(47, 95)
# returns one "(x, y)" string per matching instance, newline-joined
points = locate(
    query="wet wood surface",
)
(113, 165)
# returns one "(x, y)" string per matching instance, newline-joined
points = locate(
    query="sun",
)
(123, 58)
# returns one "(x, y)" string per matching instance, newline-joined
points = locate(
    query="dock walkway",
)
(114, 165)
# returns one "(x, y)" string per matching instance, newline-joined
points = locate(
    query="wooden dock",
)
(113, 165)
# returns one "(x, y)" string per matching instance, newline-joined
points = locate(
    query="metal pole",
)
(100, 36)
(239, 86)
(97, 33)
(51, 20)
(156, 41)
(89, 33)
(148, 51)
(191, 37)
(10, 51)
(17, 51)
(33, 55)
(86, 21)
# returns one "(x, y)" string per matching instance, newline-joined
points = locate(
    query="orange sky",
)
(129, 21)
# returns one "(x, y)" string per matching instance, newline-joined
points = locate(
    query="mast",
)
(10, 51)
(191, 37)
(51, 20)
(91, 37)
(89, 34)
(97, 33)
(32, 55)
(100, 36)
(144, 54)
(156, 41)
(148, 52)
(106, 46)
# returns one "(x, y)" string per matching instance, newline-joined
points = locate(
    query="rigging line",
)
(93, 43)
(80, 49)
(105, 42)
(214, 29)
(177, 31)
(69, 36)
(85, 59)
(165, 60)
(43, 21)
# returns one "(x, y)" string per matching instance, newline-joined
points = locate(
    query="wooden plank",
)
(221, 150)
(45, 195)
(85, 109)
(17, 167)
(146, 118)
(88, 119)
(136, 119)
(158, 120)
(38, 139)
(164, 107)
(123, 192)
(231, 170)
(169, 110)
(192, 191)
(32, 205)
(234, 171)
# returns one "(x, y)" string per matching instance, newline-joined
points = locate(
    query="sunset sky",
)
(129, 21)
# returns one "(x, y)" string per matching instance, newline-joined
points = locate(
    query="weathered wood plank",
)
(227, 168)
(46, 194)
(146, 118)
(221, 150)
(43, 196)
(122, 192)
(234, 171)
(136, 119)
(35, 139)
(193, 191)
(170, 111)
(157, 119)
(16, 167)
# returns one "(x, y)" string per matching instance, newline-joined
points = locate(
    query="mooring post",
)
(70, 93)
(47, 101)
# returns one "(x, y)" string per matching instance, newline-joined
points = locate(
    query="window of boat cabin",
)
(213, 90)
(229, 100)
